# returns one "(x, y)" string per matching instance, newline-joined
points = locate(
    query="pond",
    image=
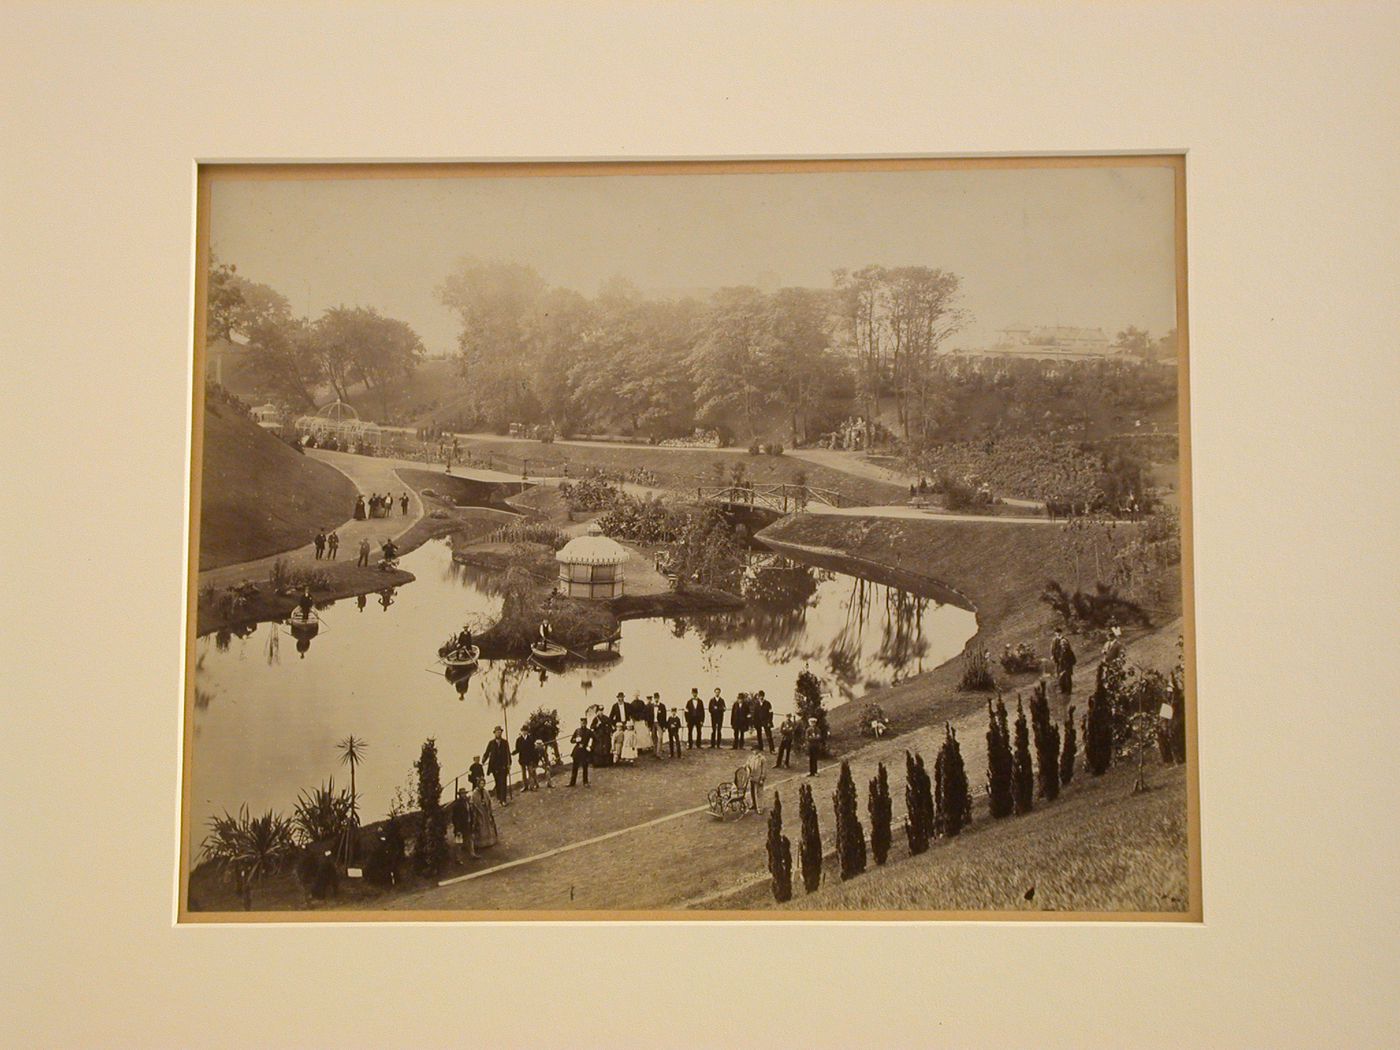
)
(269, 709)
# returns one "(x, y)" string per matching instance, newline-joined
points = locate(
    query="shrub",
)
(1047, 744)
(1022, 775)
(430, 848)
(1098, 728)
(1068, 752)
(811, 843)
(755, 448)
(774, 448)
(977, 672)
(850, 836)
(779, 853)
(322, 814)
(316, 874)
(952, 800)
(1099, 608)
(998, 761)
(248, 849)
(530, 532)
(810, 705)
(880, 807)
(1019, 660)
(918, 804)
(590, 494)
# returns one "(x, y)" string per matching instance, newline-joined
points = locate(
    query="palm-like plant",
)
(323, 813)
(248, 849)
(352, 753)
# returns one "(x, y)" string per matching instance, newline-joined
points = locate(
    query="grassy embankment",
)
(259, 496)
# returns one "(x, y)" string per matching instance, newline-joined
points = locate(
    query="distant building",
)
(1049, 343)
(591, 566)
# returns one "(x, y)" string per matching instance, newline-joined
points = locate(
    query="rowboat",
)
(462, 659)
(548, 651)
(303, 624)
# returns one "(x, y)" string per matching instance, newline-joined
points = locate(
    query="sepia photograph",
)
(690, 541)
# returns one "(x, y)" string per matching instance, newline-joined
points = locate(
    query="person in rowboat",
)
(304, 603)
(545, 632)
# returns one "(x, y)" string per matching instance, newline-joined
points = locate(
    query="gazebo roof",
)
(592, 549)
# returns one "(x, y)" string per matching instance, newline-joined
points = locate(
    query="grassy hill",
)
(259, 495)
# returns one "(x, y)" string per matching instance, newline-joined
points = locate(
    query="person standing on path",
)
(785, 734)
(403, 503)
(333, 544)
(581, 752)
(814, 746)
(739, 719)
(364, 553)
(525, 755)
(694, 720)
(763, 722)
(757, 766)
(673, 733)
(661, 720)
(716, 718)
(497, 756)
(320, 543)
(1064, 668)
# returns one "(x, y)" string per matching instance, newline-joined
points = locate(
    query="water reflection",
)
(266, 725)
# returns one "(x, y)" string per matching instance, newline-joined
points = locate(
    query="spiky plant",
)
(247, 850)
(322, 814)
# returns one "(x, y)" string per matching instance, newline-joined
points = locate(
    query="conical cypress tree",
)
(811, 844)
(430, 849)
(880, 807)
(954, 801)
(850, 836)
(1022, 775)
(998, 762)
(779, 853)
(1071, 747)
(918, 803)
(937, 828)
(1098, 729)
(1047, 745)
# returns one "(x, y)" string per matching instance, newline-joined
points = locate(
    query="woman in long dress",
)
(629, 743)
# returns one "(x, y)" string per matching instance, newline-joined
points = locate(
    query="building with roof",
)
(591, 566)
(1050, 343)
(340, 421)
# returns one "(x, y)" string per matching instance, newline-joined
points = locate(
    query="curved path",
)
(369, 474)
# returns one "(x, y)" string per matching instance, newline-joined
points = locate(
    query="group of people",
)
(619, 735)
(327, 544)
(378, 506)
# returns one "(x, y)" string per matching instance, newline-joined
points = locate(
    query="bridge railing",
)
(782, 497)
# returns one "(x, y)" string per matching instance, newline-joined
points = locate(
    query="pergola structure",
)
(340, 421)
(591, 566)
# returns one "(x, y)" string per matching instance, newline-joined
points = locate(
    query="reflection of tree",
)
(902, 643)
(500, 684)
(776, 593)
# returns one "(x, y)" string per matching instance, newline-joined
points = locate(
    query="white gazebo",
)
(591, 566)
(340, 421)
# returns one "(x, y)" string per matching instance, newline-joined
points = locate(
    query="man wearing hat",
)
(813, 747)
(497, 756)
(694, 719)
(717, 706)
(619, 709)
(582, 741)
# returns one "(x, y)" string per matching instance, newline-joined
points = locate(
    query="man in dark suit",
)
(497, 757)
(739, 718)
(717, 706)
(618, 713)
(763, 722)
(694, 719)
(673, 733)
(660, 723)
(581, 753)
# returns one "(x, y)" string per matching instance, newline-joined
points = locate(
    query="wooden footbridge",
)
(782, 498)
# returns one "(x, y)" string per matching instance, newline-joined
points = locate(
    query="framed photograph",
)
(691, 540)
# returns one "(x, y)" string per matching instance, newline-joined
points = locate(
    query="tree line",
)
(293, 357)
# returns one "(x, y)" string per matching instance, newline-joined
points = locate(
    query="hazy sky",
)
(1078, 246)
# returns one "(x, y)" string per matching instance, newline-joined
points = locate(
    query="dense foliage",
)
(918, 803)
(850, 836)
(430, 846)
(779, 853)
(1047, 744)
(811, 843)
(1022, 772)
(880, 807)
(999, 761)
(952, 800)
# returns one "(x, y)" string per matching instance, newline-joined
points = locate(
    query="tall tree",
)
(953, 801)
(779, 853)
(999, 762)
(497, 306)
(862, 306)
(810, 848)
(222, 300)
(1047, 744)
(797, 357)
(728, 360)
(881, 808)
(430, 849)
(1022, 773)
(359, 344)
(850, 836)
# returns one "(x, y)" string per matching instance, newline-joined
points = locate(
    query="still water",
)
(269, 709)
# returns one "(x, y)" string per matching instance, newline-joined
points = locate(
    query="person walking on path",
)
(785, 734)
(403, 503)
(716, 718)
(1064, 668)
(581, 752)
(497, 755)
(757, 766)
(673, 734)
(763, 722)
(814, 746)
(320, 543)
(364, 553)
(333, 544)
(694, 720)
(462, 824)
(525, 755)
